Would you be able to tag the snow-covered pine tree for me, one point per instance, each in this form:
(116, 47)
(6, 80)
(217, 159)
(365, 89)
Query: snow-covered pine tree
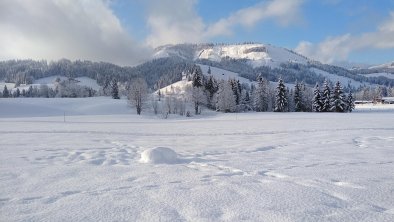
(280, 98)
(17, 92)
(114, 89)
(6, 93)
(317, 105)
(197, 83)
(338, 103)
(350, 102)
(197, 78)
(298, 100)
(236, 90)
(326, 97)
(106, 87)
(29, 92)
(211, 88)
(261, 95)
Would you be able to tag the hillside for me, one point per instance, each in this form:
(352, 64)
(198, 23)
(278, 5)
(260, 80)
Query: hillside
(257, 54)
(247, 61)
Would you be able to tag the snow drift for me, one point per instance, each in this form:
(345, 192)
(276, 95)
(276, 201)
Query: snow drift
(159, 155)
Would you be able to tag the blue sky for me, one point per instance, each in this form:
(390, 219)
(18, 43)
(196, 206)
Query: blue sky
(126, 31)
(317, 20)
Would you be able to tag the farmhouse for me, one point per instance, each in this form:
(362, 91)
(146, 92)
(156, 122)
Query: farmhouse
(388, 100)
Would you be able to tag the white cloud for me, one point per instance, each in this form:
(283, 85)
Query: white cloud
(338, 48)
(180, 24)
(54, 29)
(173, 21)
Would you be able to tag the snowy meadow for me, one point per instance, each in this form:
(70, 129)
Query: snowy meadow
(217, 167)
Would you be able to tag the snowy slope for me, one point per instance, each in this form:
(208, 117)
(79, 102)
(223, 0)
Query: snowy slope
(222, 74)
(343, 80)
(382, 74)
(229, 167)
(9, 85)
(180, 88)
(258, 54)
(177, 88)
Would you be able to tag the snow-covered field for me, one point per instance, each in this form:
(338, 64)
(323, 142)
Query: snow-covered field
(226, 167)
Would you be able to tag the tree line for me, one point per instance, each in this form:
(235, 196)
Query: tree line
(233, 96)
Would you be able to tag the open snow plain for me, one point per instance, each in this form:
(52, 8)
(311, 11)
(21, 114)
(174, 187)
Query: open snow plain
(227, 167)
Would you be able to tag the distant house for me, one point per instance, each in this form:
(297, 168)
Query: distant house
(387, 100)
(363, 102)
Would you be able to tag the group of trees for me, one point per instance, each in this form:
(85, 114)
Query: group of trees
(62, 88)
(232, 96)
(328, 100)
(332, 100)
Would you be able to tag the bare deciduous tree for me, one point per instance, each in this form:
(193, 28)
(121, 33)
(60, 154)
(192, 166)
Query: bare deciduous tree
(138, 94)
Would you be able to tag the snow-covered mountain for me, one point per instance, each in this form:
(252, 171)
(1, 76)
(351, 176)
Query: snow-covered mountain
(389, 65)
(251, 59)
(257, 54)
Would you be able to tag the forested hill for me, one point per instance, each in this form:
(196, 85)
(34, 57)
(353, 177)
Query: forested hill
(249, 60)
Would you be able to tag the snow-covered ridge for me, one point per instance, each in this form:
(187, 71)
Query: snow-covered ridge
(258, 54)
(389, 65)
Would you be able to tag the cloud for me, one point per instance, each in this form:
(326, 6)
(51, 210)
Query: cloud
(339, 48)
(283, 11)
(182, 24)
(170, 25)
(54, 29)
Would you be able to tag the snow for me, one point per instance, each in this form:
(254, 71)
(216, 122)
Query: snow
(88, 82)
(36, 107)
(383, 74)
(9, 85)
(159, 155)
(230, 167)
(259, 54)
(50, 82)
(343, 80)
(374, 108)
(222, 74)
(177, 88)
(389, 65)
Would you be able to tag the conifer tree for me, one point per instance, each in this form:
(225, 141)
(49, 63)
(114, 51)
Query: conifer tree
(261, 95)
(197, 78)
(350, 102)
(338, 103)
(326, 97)
(211, 87)
(317, 104)
(6, 93)
(236, 90)
(115, 90)
(281, 104)
(298, 101)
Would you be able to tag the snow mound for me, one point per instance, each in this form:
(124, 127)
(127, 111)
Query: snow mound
(159, 155)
